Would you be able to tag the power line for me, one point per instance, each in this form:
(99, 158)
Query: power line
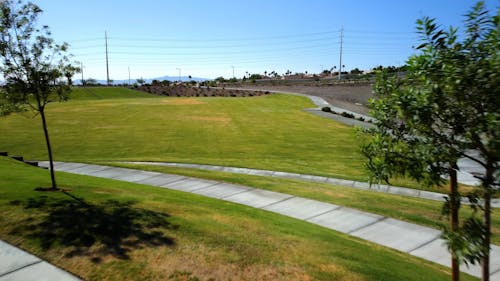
(243, 49)
(144, 54)
(377, 32)
(204, 46)
(356, 33)
(307, 47)
(226, 39)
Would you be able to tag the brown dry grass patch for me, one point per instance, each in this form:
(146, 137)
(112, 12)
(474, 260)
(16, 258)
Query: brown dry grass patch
(197, 260)
(183, 101)
(211, 119)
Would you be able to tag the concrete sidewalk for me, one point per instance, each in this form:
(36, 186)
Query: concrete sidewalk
(467, 168)
(416, 240)
(18, 265)
(403, 191)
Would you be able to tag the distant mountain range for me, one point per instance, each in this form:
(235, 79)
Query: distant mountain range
(148, 80)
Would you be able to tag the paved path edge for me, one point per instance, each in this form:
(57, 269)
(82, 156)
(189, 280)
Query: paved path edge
(18, 265)
(390, 189)
(416, 240)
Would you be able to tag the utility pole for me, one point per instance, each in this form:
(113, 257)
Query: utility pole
(180, 81)
(81, 68)
(129, 76)
(341, 41)
(107, 65)
(233, 70)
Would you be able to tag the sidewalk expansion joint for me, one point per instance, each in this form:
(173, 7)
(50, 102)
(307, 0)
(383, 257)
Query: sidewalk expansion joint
(277, 202)
(367, 225)
(104, 168)
(424, 244)
(69, 170)
(22, 267)
(240, 192)
(152, 177)
(203, 187)
(323, 213)
(172, 182)
(496, 271)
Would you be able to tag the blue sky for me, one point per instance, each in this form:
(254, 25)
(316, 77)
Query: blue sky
(207, 38)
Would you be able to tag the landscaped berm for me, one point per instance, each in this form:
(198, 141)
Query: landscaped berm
(102, 229)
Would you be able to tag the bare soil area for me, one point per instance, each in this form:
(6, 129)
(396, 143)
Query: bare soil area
(350, 97)
(193, 91)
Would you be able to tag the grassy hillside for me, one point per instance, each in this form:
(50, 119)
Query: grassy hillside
(270, 132)
(124, 231)
(99, 93)
(410, 209)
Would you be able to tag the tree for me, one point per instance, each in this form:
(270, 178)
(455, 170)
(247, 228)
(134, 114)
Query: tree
(404, 143)
(140, 81)
(273, 74)
(356, 71)
(32, 65)
(445, 108)
(477, 77)
(90, 82)
(220, 79)
(255, 77)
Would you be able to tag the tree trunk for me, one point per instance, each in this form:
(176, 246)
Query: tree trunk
(485, 262)
(49, 150)
(454, 206)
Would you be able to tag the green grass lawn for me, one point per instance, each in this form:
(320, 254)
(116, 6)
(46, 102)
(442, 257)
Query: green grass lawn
(124, 231)
(267, 132)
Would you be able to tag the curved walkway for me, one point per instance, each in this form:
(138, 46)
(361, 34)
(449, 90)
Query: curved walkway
(18, 265)
(403, 191)
(467, 167)
(416, 240)
(319, 102)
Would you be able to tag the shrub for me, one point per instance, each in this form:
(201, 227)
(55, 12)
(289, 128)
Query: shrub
(347, 115)
(326, 109)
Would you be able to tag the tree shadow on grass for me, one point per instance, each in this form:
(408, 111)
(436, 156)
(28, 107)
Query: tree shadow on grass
(112, 227)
